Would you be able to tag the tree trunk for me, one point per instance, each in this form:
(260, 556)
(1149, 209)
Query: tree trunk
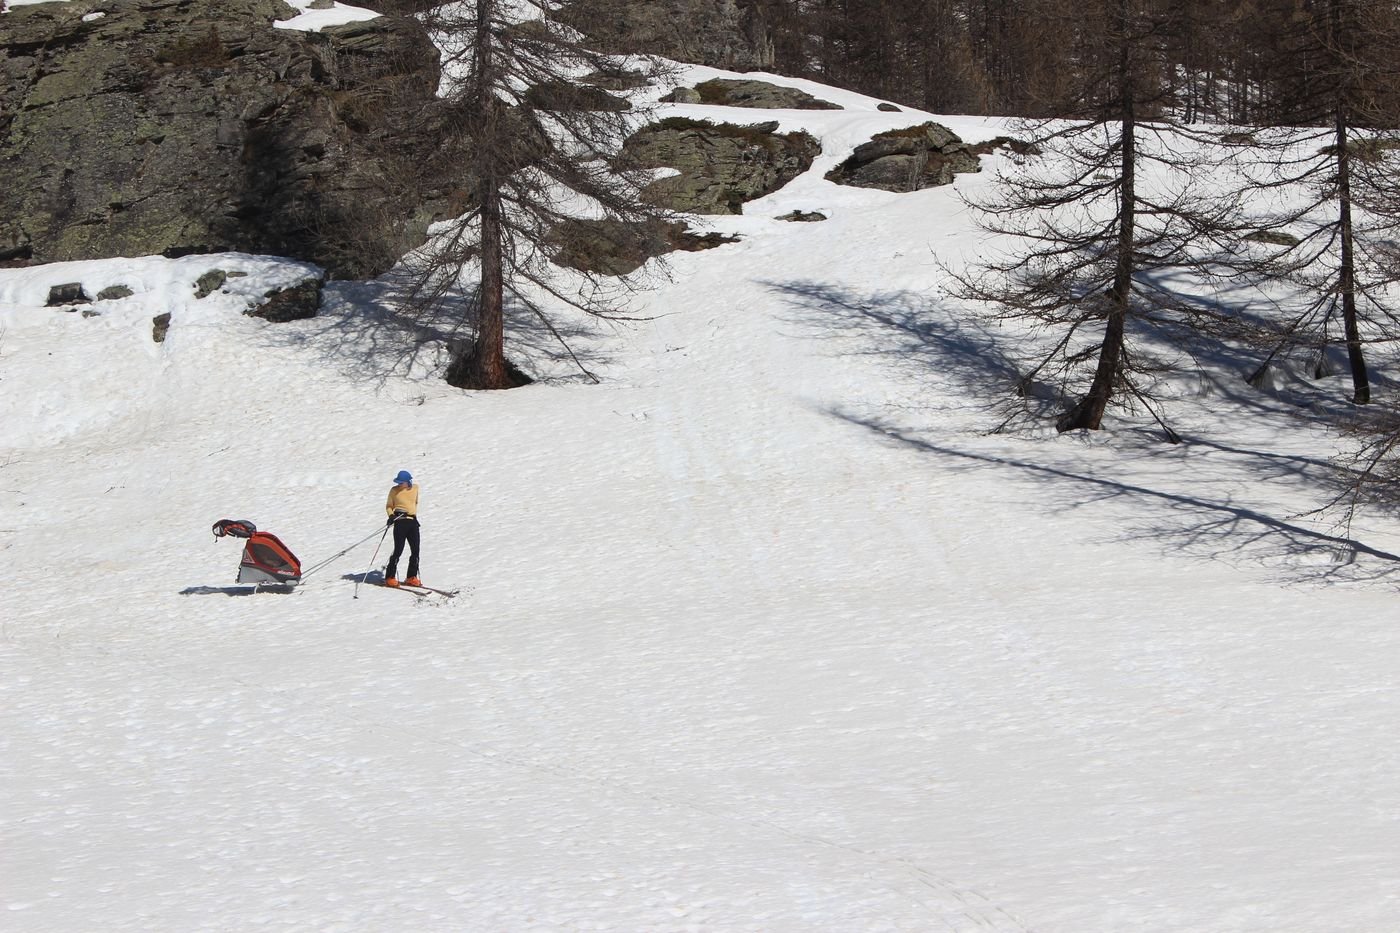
(1089, 412)
(1360, 379)
(490, 349)
(1346, 284)
(487, 367)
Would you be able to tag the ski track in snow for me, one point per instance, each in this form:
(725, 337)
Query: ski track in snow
(764, 632)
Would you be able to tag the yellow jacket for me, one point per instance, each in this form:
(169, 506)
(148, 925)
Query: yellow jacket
(403, 499)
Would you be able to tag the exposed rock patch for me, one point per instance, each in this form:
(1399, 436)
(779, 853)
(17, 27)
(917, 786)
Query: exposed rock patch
(908, 159)
(566, 96)
(1272, 238)
(1018, 146)
(210, 282)
(610, 247)
(616, 80)
(69, 294)
(721, 166)
(727, 92)
(295, 303)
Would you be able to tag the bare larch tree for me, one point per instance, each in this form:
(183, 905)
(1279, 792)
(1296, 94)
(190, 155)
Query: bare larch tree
(535, 136)
(1333, 133)
(1095, 241)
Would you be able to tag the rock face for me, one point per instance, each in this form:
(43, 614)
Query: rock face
(706, 32)
(760, 94)
(909, 159)
(183, 126)
(721, 165)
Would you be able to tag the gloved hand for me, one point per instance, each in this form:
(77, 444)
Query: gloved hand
(398, 514)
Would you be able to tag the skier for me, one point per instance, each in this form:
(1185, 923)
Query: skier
(403, 516)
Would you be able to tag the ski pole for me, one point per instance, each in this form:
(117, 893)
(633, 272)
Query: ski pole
(337, 555)
(372, 559)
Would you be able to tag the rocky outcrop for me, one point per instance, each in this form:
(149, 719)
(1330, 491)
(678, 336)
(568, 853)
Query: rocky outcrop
(908, 159)
(565, 95)
(71, 293)
(616, 79)
(720, 166)
(183, 126)
(296, 303)
(706, 32)
(611, 247)
(727, 92)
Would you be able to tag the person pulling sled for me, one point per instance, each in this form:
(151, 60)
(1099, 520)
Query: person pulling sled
(402, 509)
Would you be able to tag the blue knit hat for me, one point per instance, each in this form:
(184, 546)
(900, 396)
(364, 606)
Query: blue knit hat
(404, 477)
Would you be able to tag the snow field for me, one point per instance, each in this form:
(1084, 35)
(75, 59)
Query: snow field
(763, 632)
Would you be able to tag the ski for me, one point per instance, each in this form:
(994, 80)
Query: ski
(421, 591)
(428, 589)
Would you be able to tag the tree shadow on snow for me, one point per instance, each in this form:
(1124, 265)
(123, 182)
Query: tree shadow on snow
(908, 330)
(376, 331)
(1215, 529)
(918, 334)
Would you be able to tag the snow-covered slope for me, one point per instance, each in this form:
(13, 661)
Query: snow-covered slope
(763, 632)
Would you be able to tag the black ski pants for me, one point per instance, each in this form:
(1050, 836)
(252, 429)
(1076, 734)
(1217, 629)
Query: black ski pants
(405, 532)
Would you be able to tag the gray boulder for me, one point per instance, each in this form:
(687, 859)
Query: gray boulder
(727, 92)
(295, 303)
(908, 159)
(210, 282)
(70, 294)
(186, 126)
(721, 165)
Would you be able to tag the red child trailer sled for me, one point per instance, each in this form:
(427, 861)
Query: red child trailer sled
(265, 558)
